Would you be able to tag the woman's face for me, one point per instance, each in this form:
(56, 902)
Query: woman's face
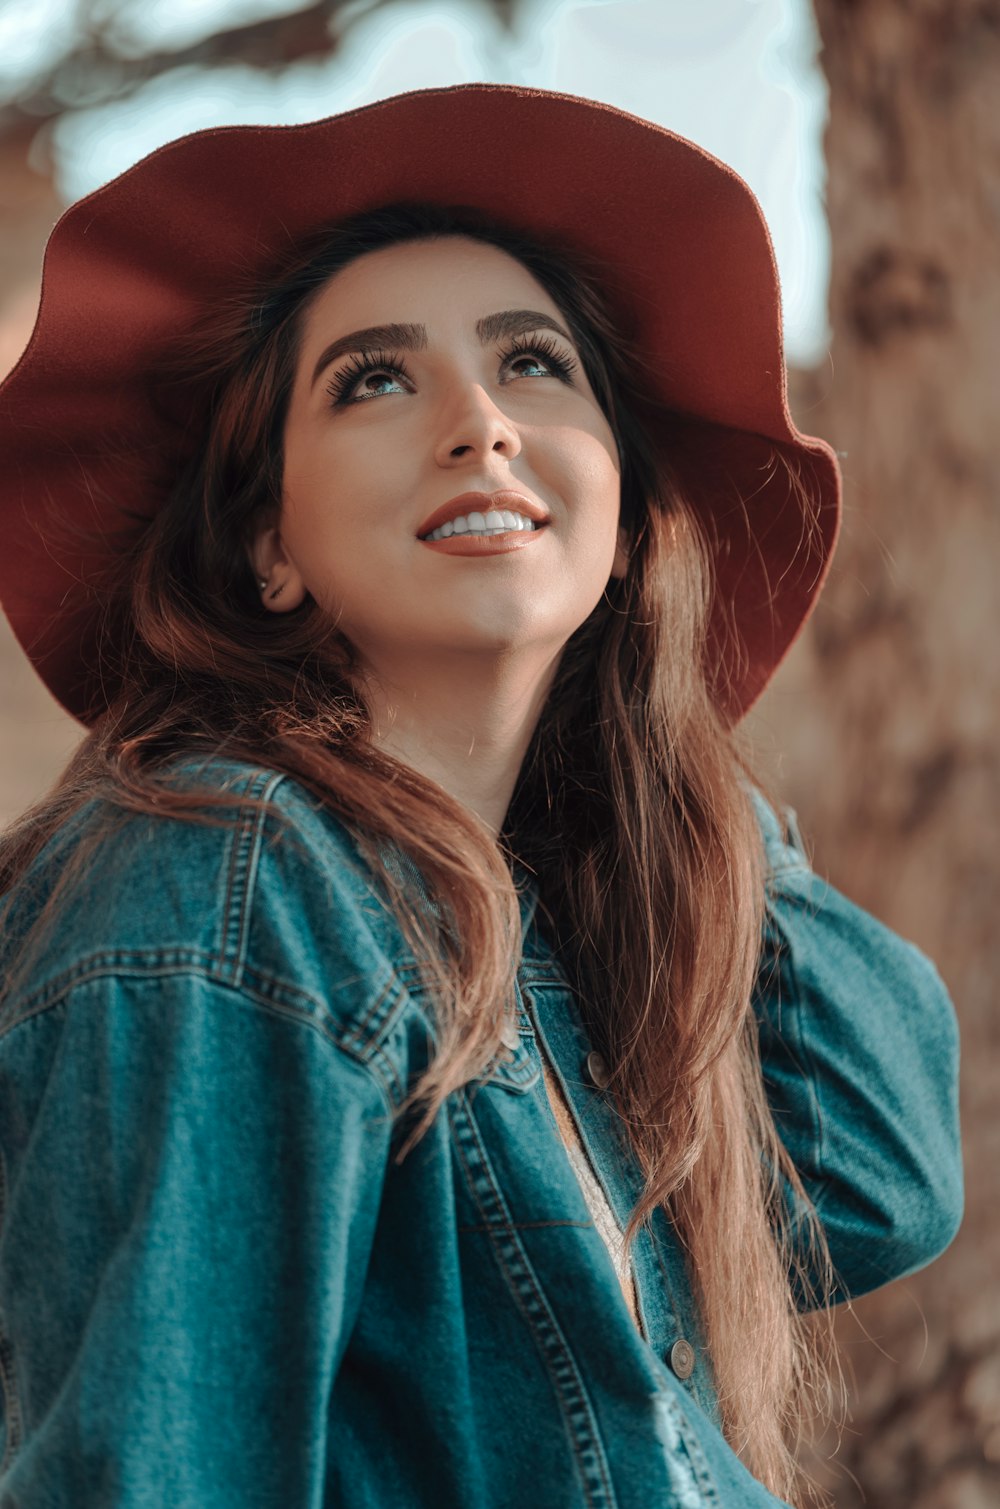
(446, 408)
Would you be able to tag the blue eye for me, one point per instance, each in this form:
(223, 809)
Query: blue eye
(343, 386)
(546, 353)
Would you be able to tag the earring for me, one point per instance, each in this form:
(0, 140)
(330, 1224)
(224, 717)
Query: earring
(262, 582)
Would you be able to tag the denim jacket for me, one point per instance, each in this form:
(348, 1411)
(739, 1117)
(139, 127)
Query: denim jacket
(219, 1290)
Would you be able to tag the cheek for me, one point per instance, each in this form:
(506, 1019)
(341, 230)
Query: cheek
(301, 519)
(310, 497)
(312, 535)
(593, 475)
(344, 483)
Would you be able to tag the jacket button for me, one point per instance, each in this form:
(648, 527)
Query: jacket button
(682, 1358)
(595, 1066)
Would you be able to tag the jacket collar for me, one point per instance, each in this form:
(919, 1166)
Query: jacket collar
(405, 870)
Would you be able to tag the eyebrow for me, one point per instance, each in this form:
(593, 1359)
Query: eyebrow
(492, 327)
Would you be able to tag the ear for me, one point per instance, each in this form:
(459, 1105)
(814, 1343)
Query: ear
(622, 553)
(283, 587)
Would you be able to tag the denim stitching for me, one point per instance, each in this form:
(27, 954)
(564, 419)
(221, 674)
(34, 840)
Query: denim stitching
(522, 1281)
(230, 902)
(13, 1415)
(12, 1403)
(243, 863)
(111, 961)
(650, 1236)
(371, 1015)
(692, 1447)
(264, 989)
(701, 1383)
(591, 1113)
(519, 1076)
(524, 1226)
(534, 971)
(674, 1310)
(376, 1050)
(300, 1007)
(804, 1058)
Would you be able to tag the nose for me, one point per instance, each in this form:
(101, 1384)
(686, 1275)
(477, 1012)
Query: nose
(473, 425)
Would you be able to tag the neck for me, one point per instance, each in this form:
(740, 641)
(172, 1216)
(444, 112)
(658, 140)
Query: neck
(466, 725)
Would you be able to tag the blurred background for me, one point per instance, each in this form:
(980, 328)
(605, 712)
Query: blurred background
(870, 131)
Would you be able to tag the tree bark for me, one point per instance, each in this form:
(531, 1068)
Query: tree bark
(36, 735)
(886, 711)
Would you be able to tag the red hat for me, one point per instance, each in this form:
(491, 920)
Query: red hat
(690, 269)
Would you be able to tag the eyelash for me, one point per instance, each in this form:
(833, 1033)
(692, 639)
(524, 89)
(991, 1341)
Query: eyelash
(346, 380)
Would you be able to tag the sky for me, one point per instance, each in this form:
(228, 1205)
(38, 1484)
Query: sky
(740, 77)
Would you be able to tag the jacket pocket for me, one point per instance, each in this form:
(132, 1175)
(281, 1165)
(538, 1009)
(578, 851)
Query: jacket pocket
(516, 1067)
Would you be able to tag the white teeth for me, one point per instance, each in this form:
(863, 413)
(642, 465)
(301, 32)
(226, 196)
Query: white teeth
(496, 521)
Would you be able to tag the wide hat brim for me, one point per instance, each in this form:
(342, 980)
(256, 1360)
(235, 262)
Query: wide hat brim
(691, 274)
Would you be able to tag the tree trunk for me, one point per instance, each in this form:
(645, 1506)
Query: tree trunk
(887, 708)
(36, 735)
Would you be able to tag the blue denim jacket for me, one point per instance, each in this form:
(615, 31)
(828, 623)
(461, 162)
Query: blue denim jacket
(219, 1290)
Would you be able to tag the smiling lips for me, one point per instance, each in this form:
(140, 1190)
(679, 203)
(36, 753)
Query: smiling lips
(483, 503)
(485, 544)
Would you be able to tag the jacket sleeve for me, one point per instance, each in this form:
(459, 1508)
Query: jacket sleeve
(859, 1049)
(194, 1184)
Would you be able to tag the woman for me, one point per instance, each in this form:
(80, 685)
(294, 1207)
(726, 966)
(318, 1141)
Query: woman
(433, 1075)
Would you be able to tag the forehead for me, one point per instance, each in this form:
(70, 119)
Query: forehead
(412, 279)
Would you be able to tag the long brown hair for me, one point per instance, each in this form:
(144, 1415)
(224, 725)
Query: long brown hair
(631, 806)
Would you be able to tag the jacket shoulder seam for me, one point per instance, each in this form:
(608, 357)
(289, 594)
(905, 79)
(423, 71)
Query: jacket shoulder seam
(802, 1055)
(275, 998)
(244, 860)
